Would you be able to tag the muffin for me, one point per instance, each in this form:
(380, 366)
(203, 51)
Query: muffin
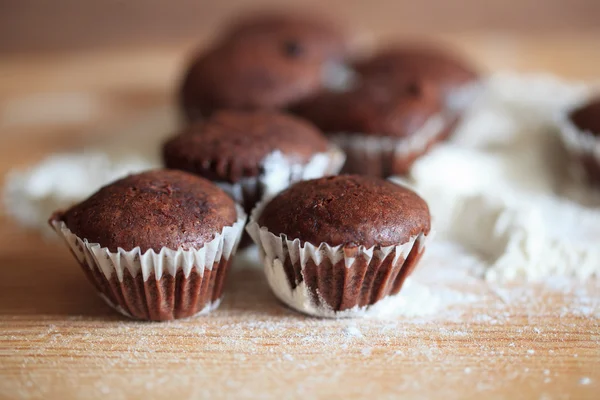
(338, 246)
(251, 154)
(455, 80)
(382, 128)
(265, 63)
(156, 245)
(580, 131)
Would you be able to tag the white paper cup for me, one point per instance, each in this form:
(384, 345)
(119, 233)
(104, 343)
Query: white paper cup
(333, 281)
(170, 284)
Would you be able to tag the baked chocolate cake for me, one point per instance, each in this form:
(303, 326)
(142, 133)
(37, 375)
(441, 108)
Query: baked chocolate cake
(156, 245)
(336, 246)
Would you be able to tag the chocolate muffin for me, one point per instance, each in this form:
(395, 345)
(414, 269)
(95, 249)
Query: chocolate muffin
(156, 245)
(580, 129)
(252, 153)
(336, 246)
(382, 128)
(267, 63)
(455, 79)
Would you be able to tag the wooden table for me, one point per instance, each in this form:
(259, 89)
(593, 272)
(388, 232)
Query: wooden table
(59, 341)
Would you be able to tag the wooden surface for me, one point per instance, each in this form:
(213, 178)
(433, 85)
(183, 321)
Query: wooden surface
(59, 341)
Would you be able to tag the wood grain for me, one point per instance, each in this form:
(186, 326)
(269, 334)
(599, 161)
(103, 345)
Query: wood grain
(60, 341)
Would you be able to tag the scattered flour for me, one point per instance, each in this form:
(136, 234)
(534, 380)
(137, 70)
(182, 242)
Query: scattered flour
(585, 381)
(352, 331)
(61, 180)
(494, 188)
(58, 181)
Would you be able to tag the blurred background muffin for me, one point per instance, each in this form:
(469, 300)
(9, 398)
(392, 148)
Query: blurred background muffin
(251, 154)
(262, 62)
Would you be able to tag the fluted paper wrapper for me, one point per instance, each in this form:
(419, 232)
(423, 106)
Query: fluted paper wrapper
(279, 173)
(584, 148)
(333, 281)
(159, 286)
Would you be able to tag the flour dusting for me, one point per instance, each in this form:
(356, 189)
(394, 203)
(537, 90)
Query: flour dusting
(501, 188)
(585, 381)
(60, 180)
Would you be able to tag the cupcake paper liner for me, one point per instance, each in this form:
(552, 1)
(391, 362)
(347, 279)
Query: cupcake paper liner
(584, 148)
(279, 173)
(333, 281)
(159, 286)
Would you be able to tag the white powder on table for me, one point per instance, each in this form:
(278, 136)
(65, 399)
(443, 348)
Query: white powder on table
(352, 331)
(496, 188)
(585, 381)
(60, 180)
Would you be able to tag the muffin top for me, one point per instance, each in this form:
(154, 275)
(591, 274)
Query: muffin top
(587, 117)
(418, 62)
(154, 209)
(314, 34)
(347, 210)
(373, 108)
(263, 70)
(232, 145)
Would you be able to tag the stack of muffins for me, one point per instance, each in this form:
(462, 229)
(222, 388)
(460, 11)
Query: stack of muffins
(273, 110)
